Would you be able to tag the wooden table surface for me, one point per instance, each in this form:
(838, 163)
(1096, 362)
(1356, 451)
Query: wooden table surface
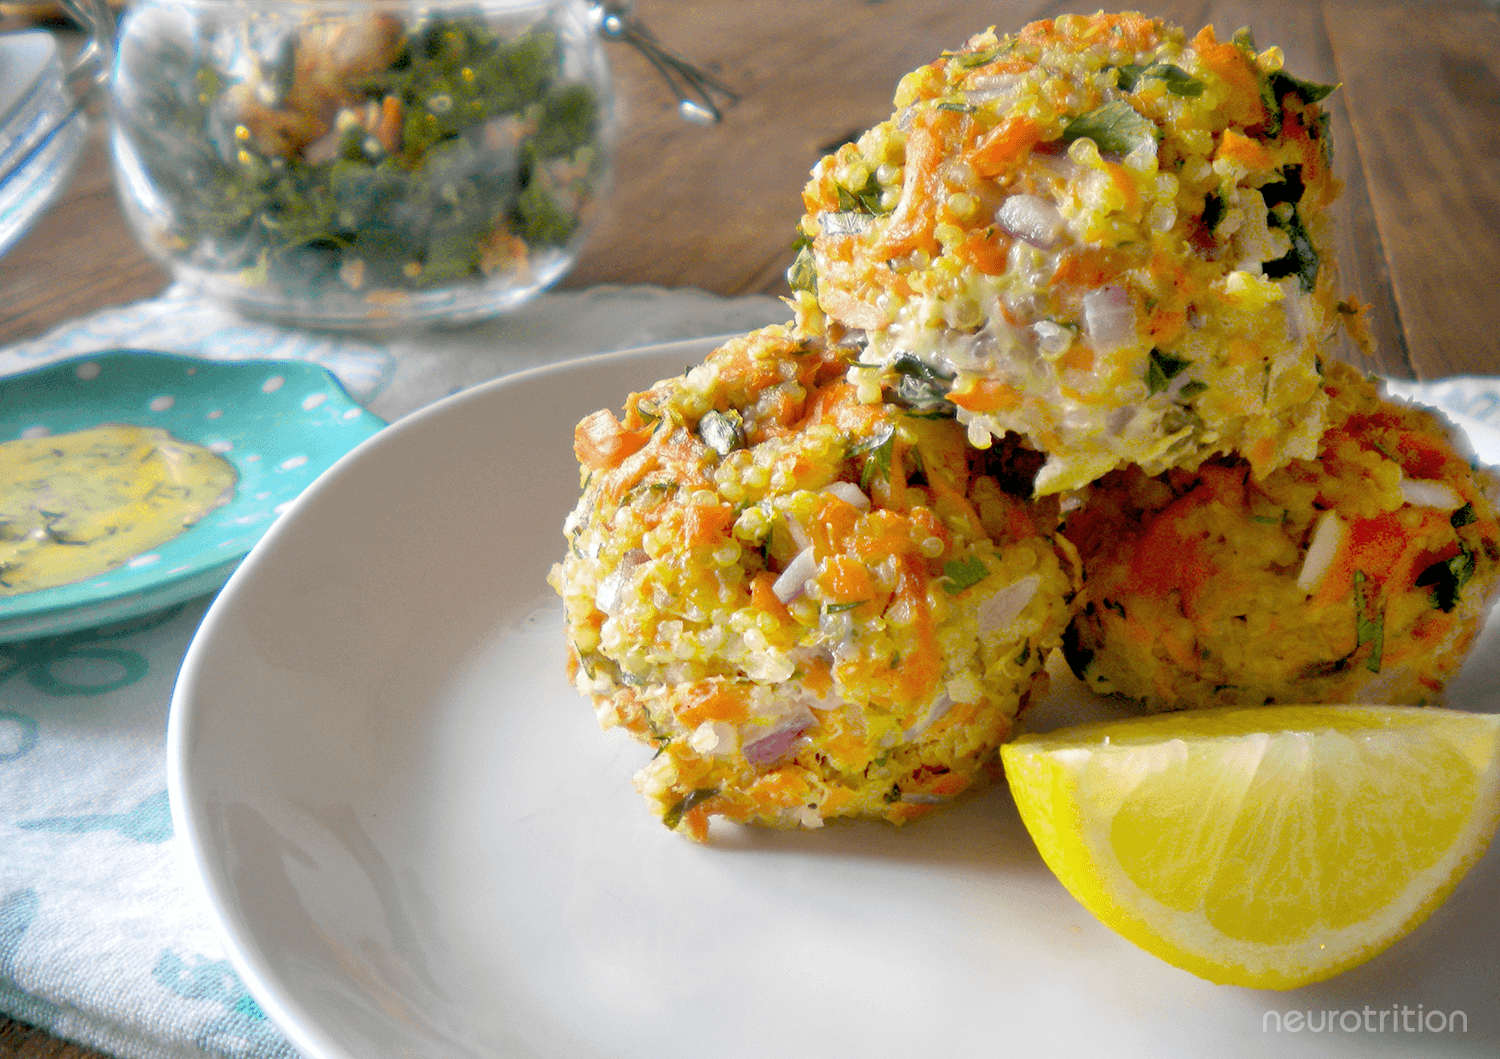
(1416, 133)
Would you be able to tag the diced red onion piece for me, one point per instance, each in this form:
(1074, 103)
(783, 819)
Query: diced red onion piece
(984, 88)
(1108, 317)
(1032, 219)
(935, 711)
(777, 743)
(1002, 608)
(1421, 492)
(799, 535)
(793, 580)
(849, 493)
(611, 590)
(1327, 538)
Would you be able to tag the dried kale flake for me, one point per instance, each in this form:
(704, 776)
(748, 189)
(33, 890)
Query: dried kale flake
(1302, 260)
(486, 135)
(722, 431)
(1447, 578)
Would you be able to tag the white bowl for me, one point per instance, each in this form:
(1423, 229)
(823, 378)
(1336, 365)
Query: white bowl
(416, 841)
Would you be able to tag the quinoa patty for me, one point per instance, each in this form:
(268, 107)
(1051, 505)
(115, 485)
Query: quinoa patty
(1361, 576)
(808, 605)
(1095, 233)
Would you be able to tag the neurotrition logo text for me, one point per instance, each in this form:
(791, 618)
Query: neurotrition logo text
(1398, 1018)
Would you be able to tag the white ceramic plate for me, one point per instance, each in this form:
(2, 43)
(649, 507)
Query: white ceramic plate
(417, 842)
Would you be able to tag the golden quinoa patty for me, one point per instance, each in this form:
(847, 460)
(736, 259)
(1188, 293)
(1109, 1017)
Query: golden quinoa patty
(1361, 576)
(1098, 234)
(808, 605)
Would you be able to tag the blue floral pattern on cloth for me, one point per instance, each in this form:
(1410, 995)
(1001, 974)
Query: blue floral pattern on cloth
(214, 982)
(181, 322)
(150, 821)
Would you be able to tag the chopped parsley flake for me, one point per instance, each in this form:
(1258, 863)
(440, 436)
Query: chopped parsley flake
(690, 801)
(1369, 623)
(1178, 81)
(1115, 128)
(839, 608)
(959, 574)
(1161, 370)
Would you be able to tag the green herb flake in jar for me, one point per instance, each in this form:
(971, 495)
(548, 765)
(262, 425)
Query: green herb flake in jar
(354, 164)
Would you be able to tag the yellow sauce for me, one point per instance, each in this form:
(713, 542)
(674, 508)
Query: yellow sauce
(75, 505)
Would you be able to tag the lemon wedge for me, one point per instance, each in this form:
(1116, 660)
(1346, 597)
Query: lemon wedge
(1267, 847)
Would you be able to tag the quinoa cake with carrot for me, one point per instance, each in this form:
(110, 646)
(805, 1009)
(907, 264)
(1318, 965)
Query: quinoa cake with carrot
(1360, 576)
(808, 605)
(1096, 233)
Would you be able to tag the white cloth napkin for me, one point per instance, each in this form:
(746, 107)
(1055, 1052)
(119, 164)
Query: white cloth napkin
(101, 940)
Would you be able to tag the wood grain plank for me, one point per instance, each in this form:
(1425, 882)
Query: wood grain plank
(1422, 87)
(19, 1041)
(79, 258)
(718, 207)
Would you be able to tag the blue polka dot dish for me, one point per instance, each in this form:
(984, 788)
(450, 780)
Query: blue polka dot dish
(279, 423)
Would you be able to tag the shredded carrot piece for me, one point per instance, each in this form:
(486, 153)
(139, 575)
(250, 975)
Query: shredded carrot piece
(912, 221)
(845, 580)
(714, 701)
(834, 525)
(1085, 266)
(763, 596)
(1005, 147)
(818, 678)
(916, 676)
(987, 395)
(1164, 324)
(1249, 152)
(1125, 184)
(388, 127)
(706, 523)
(1228, 62)
(987, 249)
(1079, 357)
(601, 443)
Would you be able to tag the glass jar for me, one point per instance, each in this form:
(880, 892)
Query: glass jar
(362, 163)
